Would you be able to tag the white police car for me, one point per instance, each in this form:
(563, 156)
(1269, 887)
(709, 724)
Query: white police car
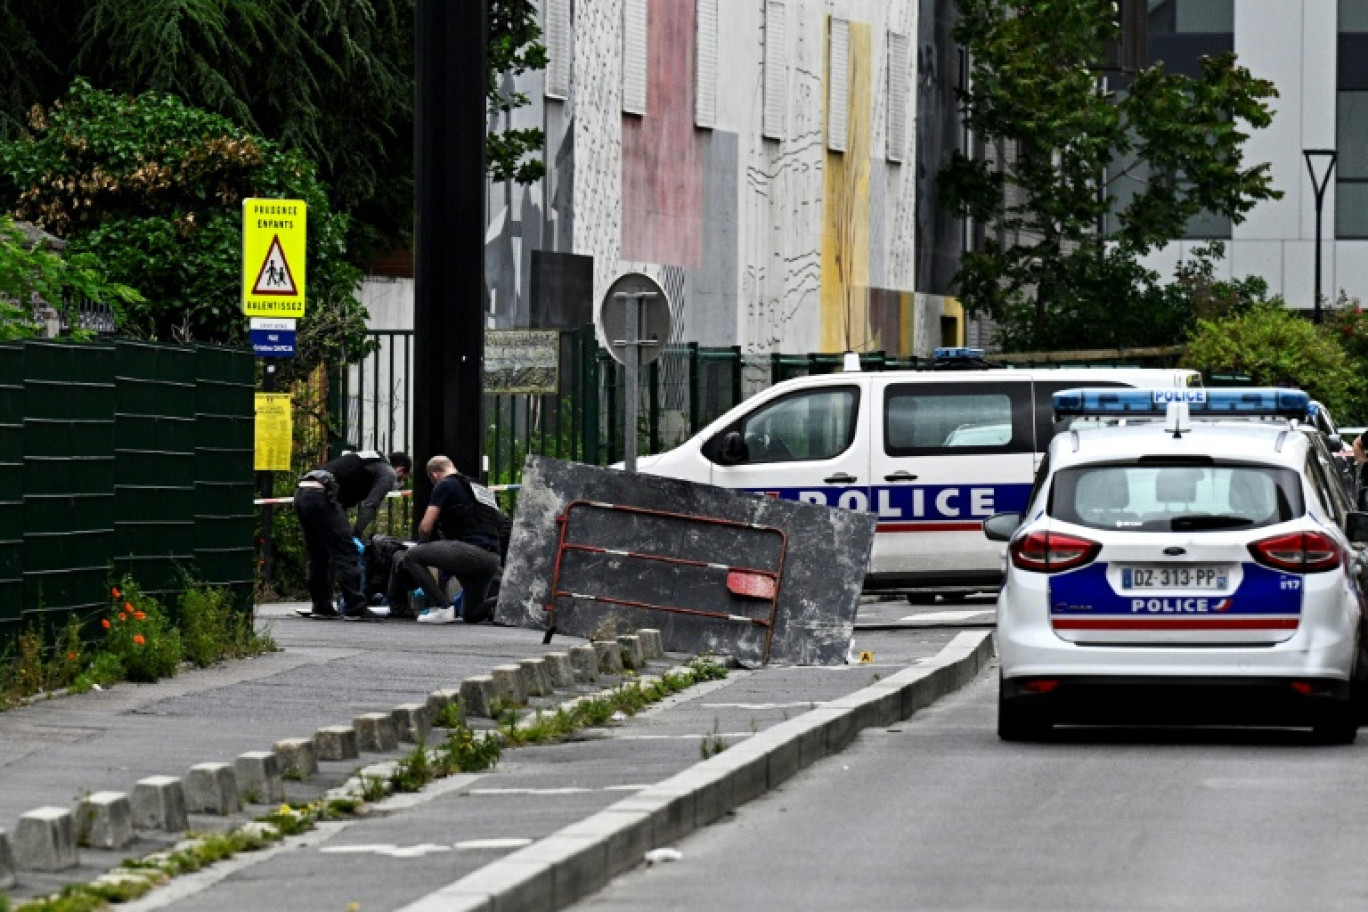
(1203, 568)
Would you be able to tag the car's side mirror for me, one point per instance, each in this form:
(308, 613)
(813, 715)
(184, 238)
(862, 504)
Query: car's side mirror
(1356, 527)
(733, 450)
(1000, 526)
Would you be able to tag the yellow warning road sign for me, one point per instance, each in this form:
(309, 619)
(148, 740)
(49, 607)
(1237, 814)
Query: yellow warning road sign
(274, 236)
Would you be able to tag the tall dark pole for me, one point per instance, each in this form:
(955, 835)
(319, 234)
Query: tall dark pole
(448, 248)
(1319, 183)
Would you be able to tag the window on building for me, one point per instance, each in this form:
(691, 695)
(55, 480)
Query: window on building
(1351, 121)
(1179, 34)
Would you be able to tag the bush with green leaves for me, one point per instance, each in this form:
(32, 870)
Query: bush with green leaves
(152, 189)
(1274, 346)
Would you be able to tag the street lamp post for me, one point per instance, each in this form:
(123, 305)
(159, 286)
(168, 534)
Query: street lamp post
(1319, 183)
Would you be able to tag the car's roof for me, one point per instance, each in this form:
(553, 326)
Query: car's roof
(1266, 442)
(1082, 376)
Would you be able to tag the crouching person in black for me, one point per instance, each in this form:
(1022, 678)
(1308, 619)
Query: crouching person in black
(333, 545)
(469, 520)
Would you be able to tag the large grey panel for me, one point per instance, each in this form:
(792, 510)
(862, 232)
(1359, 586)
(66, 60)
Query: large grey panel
(820, 558)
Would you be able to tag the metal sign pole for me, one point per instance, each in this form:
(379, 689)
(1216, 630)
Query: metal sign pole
(631, 395)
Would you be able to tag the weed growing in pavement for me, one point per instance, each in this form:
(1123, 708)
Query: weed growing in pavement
(373, 788)
(713, 744)
(465, 751)
(451, 715)
(414, 771)
(212, 630)
(135, 640)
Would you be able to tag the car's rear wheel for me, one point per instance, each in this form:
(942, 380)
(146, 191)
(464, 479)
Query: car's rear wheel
(1021, 723)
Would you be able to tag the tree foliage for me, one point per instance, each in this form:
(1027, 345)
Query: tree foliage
(1044, 272)
(28, 271)
(152, 190)
(331, 79)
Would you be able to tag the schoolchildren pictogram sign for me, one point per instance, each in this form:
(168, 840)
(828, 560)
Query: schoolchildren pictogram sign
(274, 235)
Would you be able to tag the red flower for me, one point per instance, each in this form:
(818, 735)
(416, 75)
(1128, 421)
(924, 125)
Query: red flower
(71, 656)
(128, 606)
(105, 623)
(114, 592)
(139, 639)
(140, 616)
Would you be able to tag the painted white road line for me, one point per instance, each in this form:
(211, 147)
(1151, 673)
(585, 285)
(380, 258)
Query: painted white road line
(802, 704)
(942, 617)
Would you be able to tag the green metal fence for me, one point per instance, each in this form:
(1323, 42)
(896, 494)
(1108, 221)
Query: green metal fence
(121, 458)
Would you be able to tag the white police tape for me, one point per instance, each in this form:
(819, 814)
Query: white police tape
(396, 494)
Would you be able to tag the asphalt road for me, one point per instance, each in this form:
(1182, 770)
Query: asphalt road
(936, 813)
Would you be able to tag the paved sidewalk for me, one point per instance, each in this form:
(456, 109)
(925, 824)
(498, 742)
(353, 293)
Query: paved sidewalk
(56, 751)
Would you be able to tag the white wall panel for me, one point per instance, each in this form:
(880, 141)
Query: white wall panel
(634, 47)
(558, 47)
(838, 85)
(776, 68)
(705, 64)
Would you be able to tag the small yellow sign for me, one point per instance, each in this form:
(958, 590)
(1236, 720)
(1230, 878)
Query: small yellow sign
(273, 432)
(274, 241)
(866, 657)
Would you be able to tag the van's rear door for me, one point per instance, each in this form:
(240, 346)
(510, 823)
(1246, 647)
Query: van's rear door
(946, 454)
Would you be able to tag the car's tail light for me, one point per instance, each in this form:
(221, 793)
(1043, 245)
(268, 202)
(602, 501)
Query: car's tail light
(1051, 552)
(1297, 552)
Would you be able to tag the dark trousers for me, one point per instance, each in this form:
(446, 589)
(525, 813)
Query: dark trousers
(474, 566)
(331, 551)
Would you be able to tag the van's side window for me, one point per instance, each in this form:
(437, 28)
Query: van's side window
(816, 424)
(922, 419)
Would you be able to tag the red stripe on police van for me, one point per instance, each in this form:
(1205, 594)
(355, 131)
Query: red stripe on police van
(1175, 624)
(930, 527)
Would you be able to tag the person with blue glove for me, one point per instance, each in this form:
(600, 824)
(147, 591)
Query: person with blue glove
(467, 518)
(334, 545)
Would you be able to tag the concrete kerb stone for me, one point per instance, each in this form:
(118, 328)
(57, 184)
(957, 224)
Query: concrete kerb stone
(541, 670)
(258, 778)
(748, 765)
(509, 685)
(45, 840)
(503, 884)
(627, 835)
(633, 655)
(584, 659)
(298, 758)
(211, 788)
(609, 656)
(561, 669)
(7, 868)
(671, 810)
(159, 804)
(532, 678)
(477, 695)
(105, 820)
(375, 732)
(336, 742)
(412, 722)
(439, 700)
(652, 643)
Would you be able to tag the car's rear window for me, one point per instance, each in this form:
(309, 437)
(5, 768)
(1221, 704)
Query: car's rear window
(1169, 498)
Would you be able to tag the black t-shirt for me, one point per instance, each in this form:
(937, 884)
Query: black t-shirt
(456, 497)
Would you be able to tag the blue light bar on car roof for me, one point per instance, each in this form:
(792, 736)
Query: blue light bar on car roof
(952, 354)
(1254, 402)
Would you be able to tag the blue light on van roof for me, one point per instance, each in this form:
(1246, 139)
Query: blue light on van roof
(1249, 402)
(956, 354)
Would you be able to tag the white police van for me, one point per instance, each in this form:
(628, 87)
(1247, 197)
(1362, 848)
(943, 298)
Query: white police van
(933, 453)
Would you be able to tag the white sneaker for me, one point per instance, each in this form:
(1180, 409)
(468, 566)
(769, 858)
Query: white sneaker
(445, 615)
